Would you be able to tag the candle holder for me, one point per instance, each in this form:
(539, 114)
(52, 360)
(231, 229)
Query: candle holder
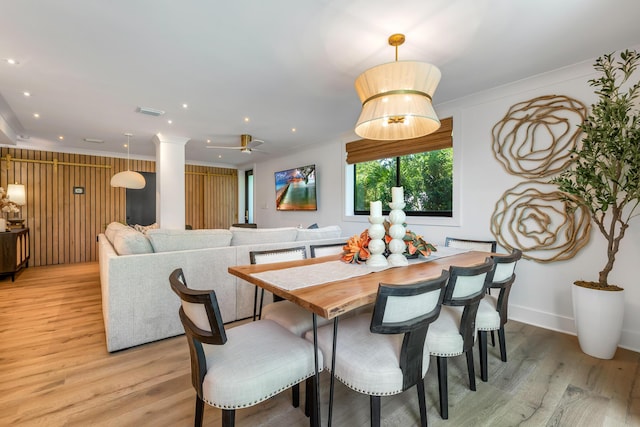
(397, 232)
(376, 244)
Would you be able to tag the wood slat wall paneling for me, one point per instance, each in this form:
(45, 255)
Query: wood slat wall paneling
(63, 225)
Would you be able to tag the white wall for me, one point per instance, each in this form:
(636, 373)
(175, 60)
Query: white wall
(542, 294)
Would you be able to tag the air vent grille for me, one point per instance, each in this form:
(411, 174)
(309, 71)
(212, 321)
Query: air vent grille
(149, 111)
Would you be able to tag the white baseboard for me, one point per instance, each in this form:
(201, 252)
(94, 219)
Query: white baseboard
(630, 339)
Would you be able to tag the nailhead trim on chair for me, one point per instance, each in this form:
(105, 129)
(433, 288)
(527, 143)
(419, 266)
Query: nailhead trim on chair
(447, 354)
(262, 399)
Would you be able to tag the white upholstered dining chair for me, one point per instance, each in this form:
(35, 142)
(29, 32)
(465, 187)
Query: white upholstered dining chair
(292, 317)
(384, 353)
(326, 249)
(453, 334)
(492, 312)
(240, 367)
(474, 245)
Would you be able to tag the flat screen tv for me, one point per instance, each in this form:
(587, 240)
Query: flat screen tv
(296, 189)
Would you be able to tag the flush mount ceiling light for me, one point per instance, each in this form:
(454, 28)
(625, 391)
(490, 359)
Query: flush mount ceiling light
(396, 99)
(128, 178)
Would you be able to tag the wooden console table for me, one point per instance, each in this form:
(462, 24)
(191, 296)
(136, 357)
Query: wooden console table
(14, 251)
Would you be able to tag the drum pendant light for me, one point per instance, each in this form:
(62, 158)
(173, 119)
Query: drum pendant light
(396, 99)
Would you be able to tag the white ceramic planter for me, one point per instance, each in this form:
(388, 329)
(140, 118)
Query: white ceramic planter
(598, 317)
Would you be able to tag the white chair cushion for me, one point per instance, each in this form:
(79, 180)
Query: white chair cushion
(443, 337)
(365, 362)
(259, 360)
(292, 317)
(488, 318)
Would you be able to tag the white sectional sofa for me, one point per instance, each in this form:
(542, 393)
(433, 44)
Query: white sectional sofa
(138, 305)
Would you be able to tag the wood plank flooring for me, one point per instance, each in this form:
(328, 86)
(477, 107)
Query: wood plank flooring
(55, 371)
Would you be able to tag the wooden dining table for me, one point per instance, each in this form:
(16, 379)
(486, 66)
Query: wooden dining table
(332, 298)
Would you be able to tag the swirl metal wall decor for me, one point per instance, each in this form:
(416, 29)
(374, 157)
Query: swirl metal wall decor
(546, 224)
(534, 138)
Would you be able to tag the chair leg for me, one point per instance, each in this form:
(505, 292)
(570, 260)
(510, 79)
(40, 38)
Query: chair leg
(482, 349)
(199, 412)
(228, 417)
(442, 387)
(255, 303)
(503, 344)
(422, 402)
(261, 304)
(375, 411)
(471, 369)
(295, 395)
(493, 339)
(308, 396)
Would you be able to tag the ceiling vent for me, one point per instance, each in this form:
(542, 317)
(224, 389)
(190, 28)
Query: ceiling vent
(94, 140)
(150, 111)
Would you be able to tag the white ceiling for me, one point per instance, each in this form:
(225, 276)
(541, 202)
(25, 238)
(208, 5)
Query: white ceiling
(283, 63)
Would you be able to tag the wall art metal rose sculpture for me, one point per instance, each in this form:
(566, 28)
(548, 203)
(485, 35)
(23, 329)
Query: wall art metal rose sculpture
(546, 224)
(534, 137)
(533, 140)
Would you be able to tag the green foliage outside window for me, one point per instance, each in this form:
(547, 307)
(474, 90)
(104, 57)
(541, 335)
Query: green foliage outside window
(427, 179)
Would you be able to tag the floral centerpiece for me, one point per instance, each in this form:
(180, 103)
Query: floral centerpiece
(6, 205)
(357, 248)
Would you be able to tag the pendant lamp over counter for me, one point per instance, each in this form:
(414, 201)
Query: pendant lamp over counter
(128, 178)
(396, 99)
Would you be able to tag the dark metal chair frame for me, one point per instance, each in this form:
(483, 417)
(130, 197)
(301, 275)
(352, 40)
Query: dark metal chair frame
(257, 311)
(502, 305)
(467, 327)
(312, 248)
(196, 337)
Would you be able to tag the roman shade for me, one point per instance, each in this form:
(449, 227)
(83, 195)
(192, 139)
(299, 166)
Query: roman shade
(365, 150)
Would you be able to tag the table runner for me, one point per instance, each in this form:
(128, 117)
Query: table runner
(316, 274)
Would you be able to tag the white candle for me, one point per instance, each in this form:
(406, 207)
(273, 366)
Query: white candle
(376, 208)
(397, 195)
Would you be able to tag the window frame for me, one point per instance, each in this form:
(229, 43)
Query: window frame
(398, 183)
(348, 173)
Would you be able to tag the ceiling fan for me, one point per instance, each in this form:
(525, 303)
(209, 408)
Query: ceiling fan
(247, 144)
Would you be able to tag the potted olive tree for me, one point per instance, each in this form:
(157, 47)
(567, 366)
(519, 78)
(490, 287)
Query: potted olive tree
(605, 177)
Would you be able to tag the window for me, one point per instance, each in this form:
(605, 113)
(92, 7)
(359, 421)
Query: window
(426, 178)
(423, 166)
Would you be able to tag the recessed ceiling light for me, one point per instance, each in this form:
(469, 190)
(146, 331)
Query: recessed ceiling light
(26, 93)
(185, 105)
(208, 141)
(246, 119)
(219, 156)
(11, 61)
(169, 121)
(293, 129)
(61, 137)
(36, 115)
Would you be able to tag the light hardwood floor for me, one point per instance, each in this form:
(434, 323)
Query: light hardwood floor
(55, 371)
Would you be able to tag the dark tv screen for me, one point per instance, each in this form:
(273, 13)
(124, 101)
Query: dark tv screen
(296, 189)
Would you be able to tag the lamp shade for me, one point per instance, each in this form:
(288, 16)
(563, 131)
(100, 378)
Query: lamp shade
(128, 179)
(16, 193)
(396, 101)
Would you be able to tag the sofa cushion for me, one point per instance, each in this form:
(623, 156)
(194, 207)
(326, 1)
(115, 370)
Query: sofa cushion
(181, 240)
(145, 228)
(128, 241)
(249, 236)
(328, 232)
(112, 229)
